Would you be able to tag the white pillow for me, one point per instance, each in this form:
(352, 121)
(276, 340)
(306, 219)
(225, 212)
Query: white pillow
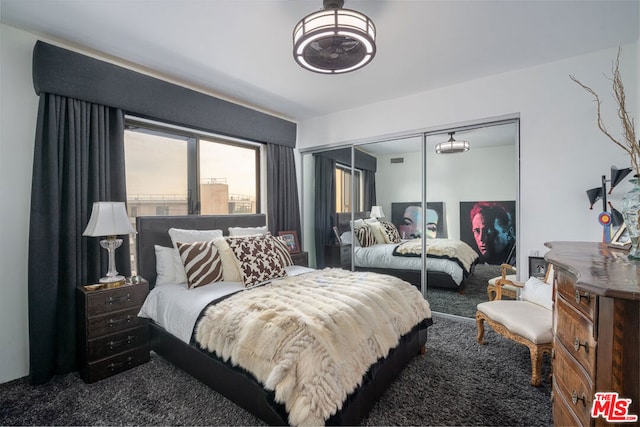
(188, 236)
(230, 269)
(247, 231)
(376, 228)
(165, 267)
(537, 292)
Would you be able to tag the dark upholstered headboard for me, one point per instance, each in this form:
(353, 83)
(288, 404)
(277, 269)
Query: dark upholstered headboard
(154, 230)
(344, 219)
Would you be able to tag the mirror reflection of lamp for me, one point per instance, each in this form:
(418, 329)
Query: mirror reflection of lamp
(607, 218)
(376, 212)
(109, 219)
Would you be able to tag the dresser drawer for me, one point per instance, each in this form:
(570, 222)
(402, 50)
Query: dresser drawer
(562, 415)
(104, 368)
(114, 322)
(573, 384)
(576, 334)
(105, 301)
(109, 345)
(582, 301)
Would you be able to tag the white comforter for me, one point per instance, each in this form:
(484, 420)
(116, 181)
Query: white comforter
(381, 256)
(176, 308)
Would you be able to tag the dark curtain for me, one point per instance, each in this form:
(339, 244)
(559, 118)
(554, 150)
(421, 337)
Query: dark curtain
(283, 211)
(369, 189)
(325, 205)
(78, 160)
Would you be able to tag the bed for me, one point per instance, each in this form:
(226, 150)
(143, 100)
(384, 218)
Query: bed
(442, 271)
(236, 384)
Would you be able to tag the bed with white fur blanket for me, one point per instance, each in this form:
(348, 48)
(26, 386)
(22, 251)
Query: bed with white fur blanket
(455, 250)
(312, 338)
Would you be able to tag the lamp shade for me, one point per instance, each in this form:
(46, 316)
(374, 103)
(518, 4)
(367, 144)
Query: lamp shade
(108, 219)
(376, 212)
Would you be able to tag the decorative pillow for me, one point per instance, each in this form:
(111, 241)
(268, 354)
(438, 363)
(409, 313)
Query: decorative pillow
(165, 267)
(188, 236)
(247, 231)
(391, 233)
(201, 262)
(257, 259)
(376, 229)
(365, 236)
(537, 292)
(230, 270)
(281, 250)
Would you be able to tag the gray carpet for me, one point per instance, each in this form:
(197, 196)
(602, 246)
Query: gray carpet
(458, 382)
(451, 302)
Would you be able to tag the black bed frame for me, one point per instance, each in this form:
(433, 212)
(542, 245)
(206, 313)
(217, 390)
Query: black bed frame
(437, 279)
(237, 385)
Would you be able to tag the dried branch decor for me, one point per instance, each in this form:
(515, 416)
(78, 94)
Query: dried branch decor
(630, 143)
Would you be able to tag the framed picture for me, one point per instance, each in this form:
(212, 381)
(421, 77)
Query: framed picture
(489, 227)
(621, 239)
(407, 217)
(291, 239)
(537, 266)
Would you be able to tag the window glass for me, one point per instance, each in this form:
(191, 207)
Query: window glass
(344, 201)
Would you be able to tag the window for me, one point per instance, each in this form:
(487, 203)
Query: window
(344, 178)
(176, 171)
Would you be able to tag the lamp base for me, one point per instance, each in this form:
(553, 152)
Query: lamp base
(111, 279)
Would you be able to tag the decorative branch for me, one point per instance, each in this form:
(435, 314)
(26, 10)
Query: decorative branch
(630, 144)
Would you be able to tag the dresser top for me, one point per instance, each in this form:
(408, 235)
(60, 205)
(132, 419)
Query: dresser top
(598, 268)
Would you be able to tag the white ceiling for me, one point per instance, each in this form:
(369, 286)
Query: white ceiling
(242, 49)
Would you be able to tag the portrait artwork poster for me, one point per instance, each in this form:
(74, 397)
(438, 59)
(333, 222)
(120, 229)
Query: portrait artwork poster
(505, 255)
(435, 210)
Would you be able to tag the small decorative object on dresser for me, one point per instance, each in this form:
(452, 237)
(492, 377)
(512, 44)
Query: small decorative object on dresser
(596, 325)
(291, 239)
(111, 336)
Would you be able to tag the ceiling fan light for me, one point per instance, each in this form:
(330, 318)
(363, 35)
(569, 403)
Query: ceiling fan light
(452, 146)
(334, 40)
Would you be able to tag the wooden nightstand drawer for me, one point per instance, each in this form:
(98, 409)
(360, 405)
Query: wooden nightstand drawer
(114, 322)
(301, 258)
(104, 368)
(117, 343)
(108, 300)
(574, 385)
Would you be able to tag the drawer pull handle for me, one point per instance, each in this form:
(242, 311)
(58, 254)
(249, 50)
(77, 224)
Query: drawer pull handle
(112, 300)
(575, 398)
(114, 344)
(114, 322)
(579, 297)
(577, 344)
(116, 365)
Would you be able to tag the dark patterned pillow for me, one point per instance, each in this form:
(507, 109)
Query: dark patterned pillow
(391, 232)
(257, 258)
(202, 263)
(365, 236)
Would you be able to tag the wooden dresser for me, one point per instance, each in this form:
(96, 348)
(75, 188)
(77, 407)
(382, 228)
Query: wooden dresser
(596, 325)
(111, 336)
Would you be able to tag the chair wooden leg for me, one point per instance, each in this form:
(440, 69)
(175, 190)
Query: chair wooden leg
(536, 366)
(480, 324)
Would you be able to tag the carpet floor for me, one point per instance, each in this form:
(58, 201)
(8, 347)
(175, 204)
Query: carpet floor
(458, 382)
(450, 301)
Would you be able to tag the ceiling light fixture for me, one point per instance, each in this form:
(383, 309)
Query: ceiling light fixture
(334, 40)
(452, 146)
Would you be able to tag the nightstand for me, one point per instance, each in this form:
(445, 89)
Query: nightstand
(111, 337)
(301, 258)
(338, 256)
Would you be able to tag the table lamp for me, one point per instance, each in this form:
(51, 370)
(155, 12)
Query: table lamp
(376, 212)
(109, 219)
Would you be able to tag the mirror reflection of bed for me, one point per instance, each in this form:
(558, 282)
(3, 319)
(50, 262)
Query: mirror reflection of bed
(487, 172)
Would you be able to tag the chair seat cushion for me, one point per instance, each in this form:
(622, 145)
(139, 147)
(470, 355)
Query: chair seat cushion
(530, 321)
(511, 277)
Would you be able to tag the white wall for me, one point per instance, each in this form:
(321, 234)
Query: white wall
(562, 151)
(18, 110)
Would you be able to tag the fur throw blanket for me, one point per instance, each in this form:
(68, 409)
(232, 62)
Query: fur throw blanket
(311, 338)
(456, 250)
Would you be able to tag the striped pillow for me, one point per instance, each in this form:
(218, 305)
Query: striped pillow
(202, 263)
(281, 251)
(365, 236)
